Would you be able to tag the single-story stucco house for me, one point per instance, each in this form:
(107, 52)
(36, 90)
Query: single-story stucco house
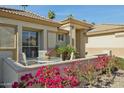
(24, 31)
(106, 37)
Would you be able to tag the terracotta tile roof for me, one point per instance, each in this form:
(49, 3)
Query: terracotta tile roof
(26, 14)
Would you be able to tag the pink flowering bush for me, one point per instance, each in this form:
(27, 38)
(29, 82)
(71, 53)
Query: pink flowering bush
(82, 72)
(72, 75)
(50, 77)
(102, 62)
(25, 81)
(46, 77)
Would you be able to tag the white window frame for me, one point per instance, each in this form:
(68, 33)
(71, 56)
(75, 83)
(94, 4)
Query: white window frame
(29, 46)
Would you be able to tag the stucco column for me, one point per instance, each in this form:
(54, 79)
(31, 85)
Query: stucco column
(82, 43)
(19, 43)
(45, 39)
(72, 34)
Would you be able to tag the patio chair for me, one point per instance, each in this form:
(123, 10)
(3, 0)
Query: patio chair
(42, 53)
(27, 62)
(72, 56)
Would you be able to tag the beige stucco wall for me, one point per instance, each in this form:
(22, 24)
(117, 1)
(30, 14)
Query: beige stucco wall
(100, 43)
(115, 51)
(51, 40)
(109, 41)
(9, 75)
(21, 24)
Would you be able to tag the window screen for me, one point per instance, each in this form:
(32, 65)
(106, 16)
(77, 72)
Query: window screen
(7, 37)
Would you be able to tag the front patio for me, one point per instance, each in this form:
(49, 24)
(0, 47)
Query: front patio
(93, 78)
(15, 70)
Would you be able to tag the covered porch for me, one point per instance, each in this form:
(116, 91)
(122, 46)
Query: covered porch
(77, 34)
(28, 38)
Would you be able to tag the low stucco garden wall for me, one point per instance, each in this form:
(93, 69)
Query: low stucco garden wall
(12, 71)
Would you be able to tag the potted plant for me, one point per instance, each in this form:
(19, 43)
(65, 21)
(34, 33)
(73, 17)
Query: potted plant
(65, 51)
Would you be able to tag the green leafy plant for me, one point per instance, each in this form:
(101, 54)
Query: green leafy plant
(112, 65)
(119, 63)
(65, 51)
(89, 74)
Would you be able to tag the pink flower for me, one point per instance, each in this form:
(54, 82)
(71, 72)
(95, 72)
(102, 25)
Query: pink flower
(29, 84)
(22, 78)
(15, 85)
(38, 73)
(101, 62)
(30, 76)
(41, 80)
(74, 82)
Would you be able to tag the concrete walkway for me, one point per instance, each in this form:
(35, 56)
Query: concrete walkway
(119, 80)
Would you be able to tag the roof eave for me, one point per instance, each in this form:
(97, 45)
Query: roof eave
(74, 21)
(28, 19)
(63, 31)
(104, 32)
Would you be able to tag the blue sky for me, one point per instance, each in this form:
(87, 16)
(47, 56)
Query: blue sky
(92, 13)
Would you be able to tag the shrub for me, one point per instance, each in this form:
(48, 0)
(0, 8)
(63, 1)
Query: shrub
(26, 80)
(46, 77)
(49, 77)
(73, 75)
(119, 62)
(65, 51)
(102, 62)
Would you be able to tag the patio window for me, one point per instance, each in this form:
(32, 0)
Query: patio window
(7, 37)
(30, 44)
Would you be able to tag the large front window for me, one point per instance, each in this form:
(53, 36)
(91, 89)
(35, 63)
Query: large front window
(7, 37)
(30, 44)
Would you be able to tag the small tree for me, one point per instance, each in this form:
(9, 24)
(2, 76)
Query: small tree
(51, 14)
(70, 16)
(93, 23)
(24, 6)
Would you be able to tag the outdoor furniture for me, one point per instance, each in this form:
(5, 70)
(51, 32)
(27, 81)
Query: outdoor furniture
(52, 59)
(72, 56)
(28, 62)
(42, 53)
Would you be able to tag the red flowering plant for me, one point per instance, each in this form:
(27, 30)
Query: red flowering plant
(71, 74)
(26, 80)
(101, 64)
(50, 77)
(47, 77)
(80, 74)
